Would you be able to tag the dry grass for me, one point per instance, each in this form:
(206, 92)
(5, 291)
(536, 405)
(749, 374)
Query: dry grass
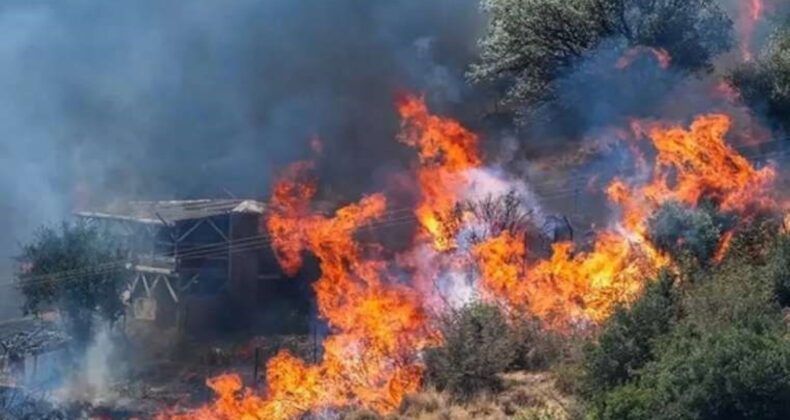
(526, 396)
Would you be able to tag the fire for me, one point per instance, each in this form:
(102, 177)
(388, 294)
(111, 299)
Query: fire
(749, 15)
(586, 286)
(446, 150)
(378, 327)
(690, 165)
(662, 57)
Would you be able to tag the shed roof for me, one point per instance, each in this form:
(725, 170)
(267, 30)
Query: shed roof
(165, 212)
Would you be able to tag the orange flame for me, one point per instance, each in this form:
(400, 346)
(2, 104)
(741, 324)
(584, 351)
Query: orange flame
(370, 360)
(749, 14)
(587, 286)
(446, 150)
(379, 326)
(662, 56)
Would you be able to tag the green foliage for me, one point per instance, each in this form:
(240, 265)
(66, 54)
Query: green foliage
(679, 230)
(779, 270)
(92, 286)
(477, 347)
(765, 83)
(628, 340)
(535, 348)
(726, 354)
(732, 374)
(530, 43)
(735, 294)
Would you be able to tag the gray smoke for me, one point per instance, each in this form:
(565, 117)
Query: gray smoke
(164, 99)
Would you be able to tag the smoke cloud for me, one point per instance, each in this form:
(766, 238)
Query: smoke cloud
(151, 99)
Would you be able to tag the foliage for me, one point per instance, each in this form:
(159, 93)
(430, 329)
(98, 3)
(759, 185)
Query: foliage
(764, 84)
(734, 373)
(628, 340)
(530, 43)
(477, 347)
(678, 230)
(536, 348)
(737, 293)
(92, 286)
(779, 270)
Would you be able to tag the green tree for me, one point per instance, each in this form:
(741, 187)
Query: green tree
(764, 84)
(75, 269)
(729, 374)
(680, 231)
(628, 339)
(478, 345)
(531, 43)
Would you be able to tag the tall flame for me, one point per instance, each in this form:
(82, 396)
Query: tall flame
(370, 359)
(379, 326)
(447, 151)
(586, 286)
(749, 15)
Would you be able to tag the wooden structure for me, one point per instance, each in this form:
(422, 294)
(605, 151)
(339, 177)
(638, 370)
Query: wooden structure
(194, 264)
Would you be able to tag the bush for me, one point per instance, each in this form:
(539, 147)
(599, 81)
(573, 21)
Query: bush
(764, 84)
(535, 348)
(680, 230)
(477, 347)
(779, 269)
(732, 374)
(628, 339)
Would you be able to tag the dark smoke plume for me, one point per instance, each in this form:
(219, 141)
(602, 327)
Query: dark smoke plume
(151, 99)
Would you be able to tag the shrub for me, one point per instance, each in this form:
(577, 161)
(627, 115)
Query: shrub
(779, 269)
(679, 230)
(477, 347)
(732, 374)
(628, 339)
(535, 348)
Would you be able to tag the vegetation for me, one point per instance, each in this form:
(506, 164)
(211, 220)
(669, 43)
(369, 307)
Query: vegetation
(91, 286)
(714, 347)
(726, 355)
(764, 84)
(531, 43)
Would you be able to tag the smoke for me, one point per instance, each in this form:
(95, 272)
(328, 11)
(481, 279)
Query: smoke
(150, 99)
(94, 377)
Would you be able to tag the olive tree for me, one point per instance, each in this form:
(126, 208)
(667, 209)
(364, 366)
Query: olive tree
(76, 269)
(531, 43)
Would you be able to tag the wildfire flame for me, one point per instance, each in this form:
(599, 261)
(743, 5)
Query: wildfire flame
(379, 326)
(749, 15)
(586, 286)
(447, 151)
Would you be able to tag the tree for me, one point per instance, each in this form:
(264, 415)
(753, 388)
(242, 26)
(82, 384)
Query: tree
(76, 269)
(728, 374)
(531, 43)
(628, 340)
(679, 230)
(764, 85)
